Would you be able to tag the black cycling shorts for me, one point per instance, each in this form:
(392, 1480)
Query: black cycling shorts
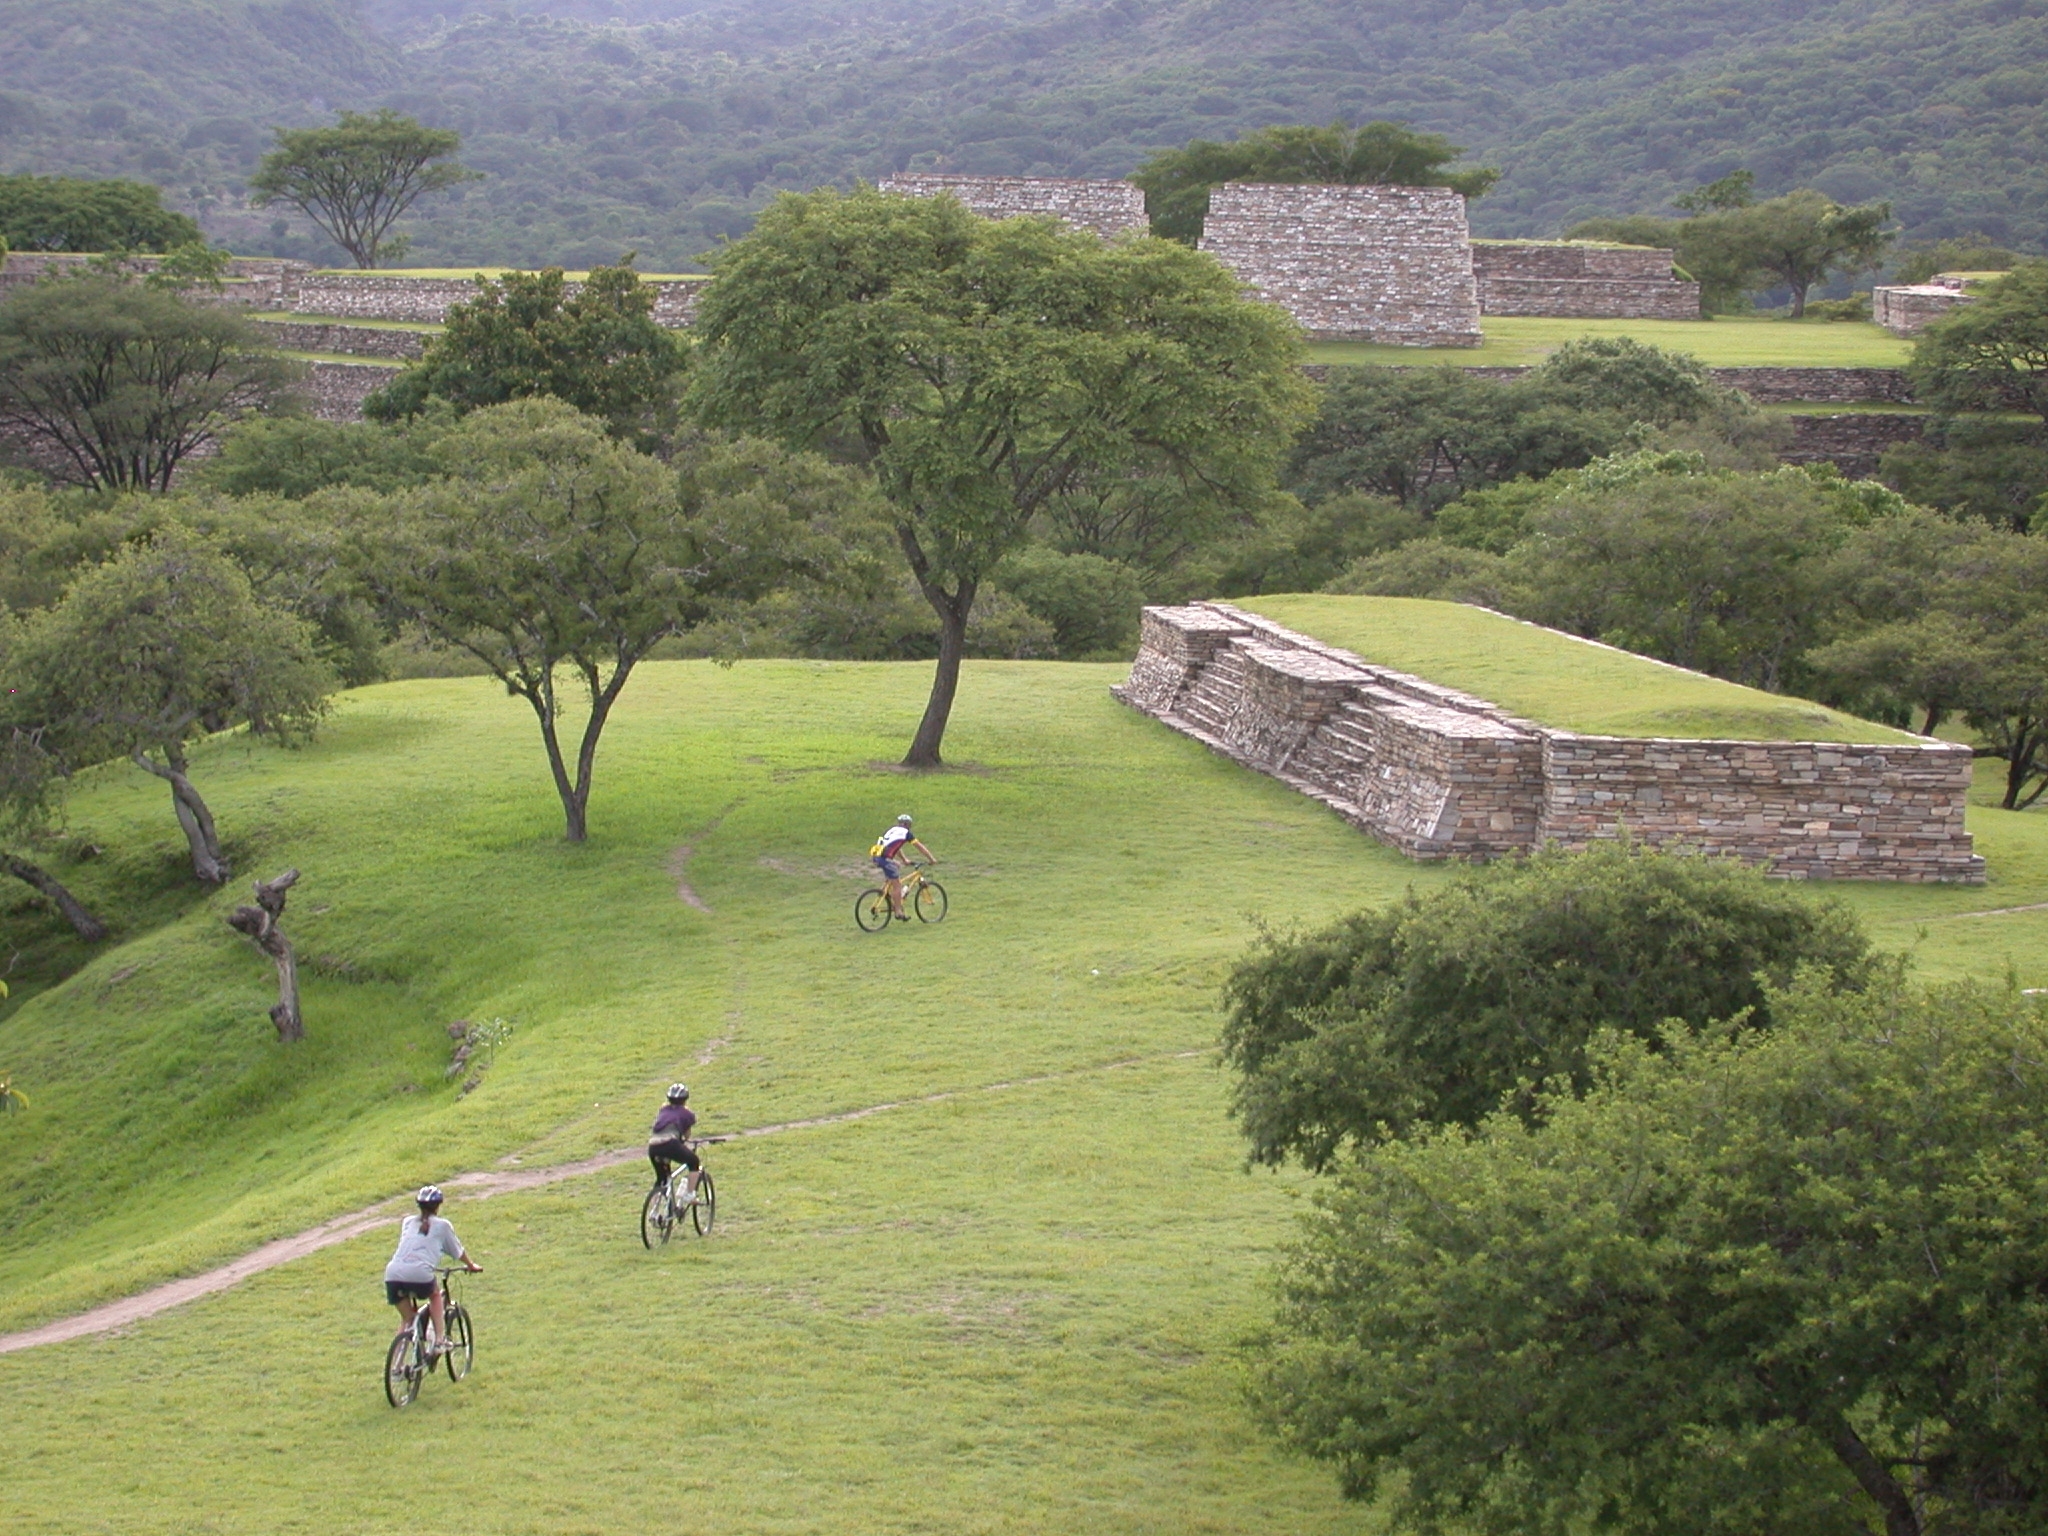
(418, 1290)
(662, 1153)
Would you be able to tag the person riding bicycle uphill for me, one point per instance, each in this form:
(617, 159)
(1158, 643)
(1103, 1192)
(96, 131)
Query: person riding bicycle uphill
(887, 847)
(423, 1241)
(668, 1143)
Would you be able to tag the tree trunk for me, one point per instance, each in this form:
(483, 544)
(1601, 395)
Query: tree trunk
(952, 608)
(2019, 765)
(260, 923)
(1900, 1519)
(87, 927)
(208, 862)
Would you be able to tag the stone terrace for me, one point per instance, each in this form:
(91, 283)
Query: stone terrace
(1110, 208)
(1577, 281)
(1438, 774)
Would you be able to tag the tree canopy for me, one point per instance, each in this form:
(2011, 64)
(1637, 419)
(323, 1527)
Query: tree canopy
(526, 334)
(64, 213)
(1177, 183)
(985, 370)
(113, 383)
(1432, 1009)
(1781, 1280)
(356, 179)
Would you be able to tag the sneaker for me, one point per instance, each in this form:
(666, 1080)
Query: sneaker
(902, 917)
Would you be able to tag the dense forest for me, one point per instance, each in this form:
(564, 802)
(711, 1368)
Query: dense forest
(664, 125)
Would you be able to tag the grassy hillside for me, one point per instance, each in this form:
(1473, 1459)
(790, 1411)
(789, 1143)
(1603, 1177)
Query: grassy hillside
(1011, 1310)
(663, 125)
(1556, 679)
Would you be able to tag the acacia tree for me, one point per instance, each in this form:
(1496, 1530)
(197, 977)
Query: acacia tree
(65, 213)
(163, 644)
(1755, 1280)
(1177, 182)
(548, 546)
(357, 178)
(599, 349)
(115, 383)
(984, 370)
(1804, 237)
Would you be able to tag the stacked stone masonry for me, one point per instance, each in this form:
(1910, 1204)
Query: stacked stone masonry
(427, 300)
(349, 340)
(1440, 774)
(1586, 282)
(1110, 208)
(1384, 264)
(1908, 309)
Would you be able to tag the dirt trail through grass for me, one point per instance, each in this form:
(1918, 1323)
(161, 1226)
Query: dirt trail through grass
(478, 1185)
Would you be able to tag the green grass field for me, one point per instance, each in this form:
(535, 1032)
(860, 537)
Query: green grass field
(1015, 1309)
(1724, 342)
(1556, 679)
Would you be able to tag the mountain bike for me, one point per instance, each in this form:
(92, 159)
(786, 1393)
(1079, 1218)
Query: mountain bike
(921, 894)
(407, 1363)
(667, 1204)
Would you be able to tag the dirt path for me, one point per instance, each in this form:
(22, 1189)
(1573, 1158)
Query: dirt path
(480, 1185)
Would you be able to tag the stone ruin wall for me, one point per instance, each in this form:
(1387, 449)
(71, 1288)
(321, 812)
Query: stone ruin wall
(1384, 264)
(1581, 282)
(352, 340)
(1440, 774)
(1110, 208)
(427, 300)
(1908, 309)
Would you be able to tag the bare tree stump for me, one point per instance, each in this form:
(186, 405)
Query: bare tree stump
(260, 923)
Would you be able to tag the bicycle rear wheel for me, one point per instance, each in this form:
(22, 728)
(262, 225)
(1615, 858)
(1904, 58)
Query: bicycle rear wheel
(706, 1209)
(402, 1370)
(931, 902)
(458, 1350)
(871, 909)
(657, 1221)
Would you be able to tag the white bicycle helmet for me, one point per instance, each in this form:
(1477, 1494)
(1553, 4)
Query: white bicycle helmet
(902, 821)
(679, 1093)
(430, 1195)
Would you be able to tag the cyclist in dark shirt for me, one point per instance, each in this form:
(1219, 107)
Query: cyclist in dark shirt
(668, 1143)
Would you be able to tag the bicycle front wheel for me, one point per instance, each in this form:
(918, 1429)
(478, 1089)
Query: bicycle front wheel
(706, 1208)
(401, 1370)
(931, 902)
(871, 910)
(458, 1351)
(656, 1219)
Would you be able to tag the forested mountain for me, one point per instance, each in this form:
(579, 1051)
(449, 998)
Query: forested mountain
(661, 125)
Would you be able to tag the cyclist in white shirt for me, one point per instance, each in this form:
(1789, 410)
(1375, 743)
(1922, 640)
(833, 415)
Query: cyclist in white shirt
(888, 847)
(423, 1241)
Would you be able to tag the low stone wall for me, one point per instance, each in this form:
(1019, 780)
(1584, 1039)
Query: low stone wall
(1571, 280)
(1844, 386)
(1440, 774)
(427, 300)
(1110, 208)
(1852, 441)
(335, 391)
(252, 282)
(350, 340)
(1385, 264)
(1908, 309)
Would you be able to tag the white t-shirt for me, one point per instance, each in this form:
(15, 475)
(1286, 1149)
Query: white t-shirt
(893, 839)
(418, 1252)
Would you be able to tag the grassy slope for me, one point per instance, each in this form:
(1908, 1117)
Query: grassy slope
(1747, 342)
(1556, 679)
(1011, 1311)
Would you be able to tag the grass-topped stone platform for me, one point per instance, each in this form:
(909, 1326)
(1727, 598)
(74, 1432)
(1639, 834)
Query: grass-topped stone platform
(1448, 731)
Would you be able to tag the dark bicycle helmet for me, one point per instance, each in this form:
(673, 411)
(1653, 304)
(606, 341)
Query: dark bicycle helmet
(430, 1195)
(679, 1093)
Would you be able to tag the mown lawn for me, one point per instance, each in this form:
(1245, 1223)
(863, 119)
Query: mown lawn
(1557, 679)
(1014, 1310)
(1724, 342)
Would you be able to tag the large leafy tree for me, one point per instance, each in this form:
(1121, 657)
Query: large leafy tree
(356, 179)
(527, 334)
(1778, 1280)
(1975, 642)
(1990, 354)
(983, 371)
(1177, 183)
(113, 384)
(548, 548)
(161, 645)
(62, 213)
(1431, 1009)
